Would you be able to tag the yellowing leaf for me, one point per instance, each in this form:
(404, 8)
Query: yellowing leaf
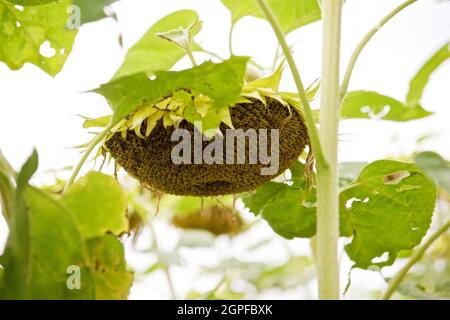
(36, 34)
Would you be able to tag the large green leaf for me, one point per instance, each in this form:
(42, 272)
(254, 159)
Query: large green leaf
(291, 14)
(26, 32)
(152, 53)
(372, 105)
(36, 267)
(435, 167)
(289, 209)
(47, 237)
(221, 82)
(97, 212)
(420, 80)
(387, 209)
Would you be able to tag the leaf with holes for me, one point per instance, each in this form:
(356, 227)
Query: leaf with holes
(386, 210)
(372, 105)
(37, 35)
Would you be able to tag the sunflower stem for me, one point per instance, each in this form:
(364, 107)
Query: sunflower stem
(327, 177)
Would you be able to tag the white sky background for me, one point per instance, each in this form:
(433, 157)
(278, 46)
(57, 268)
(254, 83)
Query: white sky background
(39, 111)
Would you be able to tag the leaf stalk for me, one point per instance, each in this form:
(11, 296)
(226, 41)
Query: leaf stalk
(309, 117)
(364, 41)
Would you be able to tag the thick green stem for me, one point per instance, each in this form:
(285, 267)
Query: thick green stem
(327, 177)
(365, 41)
(418, 254)
(313, 132)
(86, 154)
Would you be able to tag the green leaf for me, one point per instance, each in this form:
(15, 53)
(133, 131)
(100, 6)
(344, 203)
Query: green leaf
(291, 14)
(372, 105)
(92, 10)
(289, 210)
(420, 80)
(5, 166)
(48, 236)
(387, 209)
(108, 272)
(35, 267)
(101, 122)
(31, 2)
(7, 192)
(271, 82)
(182, 37)
(151, 53)
(435, 167)
(18, 241)
(221, 82)
(6, 195)
(25, 32)
(256, 200)
(97, 212)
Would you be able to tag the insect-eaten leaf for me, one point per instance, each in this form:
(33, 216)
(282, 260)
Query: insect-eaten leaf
(375, 106)
(386, 210)
(36, 34)
(289, 207)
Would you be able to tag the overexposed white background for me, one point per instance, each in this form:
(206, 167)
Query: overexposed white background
(39, 111)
